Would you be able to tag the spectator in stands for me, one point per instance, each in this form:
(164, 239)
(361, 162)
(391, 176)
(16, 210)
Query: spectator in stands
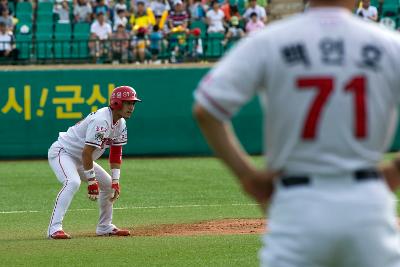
(260, 11)
(156, 39)
(101, 7)
(367, 12)
(230, 10)
(82, 11)
(178, 18)
(254, 24)
(197, 10)
(141, 18)
(139, 45)
(120, 19)
(234, 31)
(159, 7)
(62, 10)
(215, 18)
(4, 5)
(7, 49)
(100, 32)
(7, 19)
(120, 5)
(120, 44)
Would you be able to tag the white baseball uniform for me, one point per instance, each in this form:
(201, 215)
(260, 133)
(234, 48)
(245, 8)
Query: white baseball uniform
(329, 86)
(65, 158)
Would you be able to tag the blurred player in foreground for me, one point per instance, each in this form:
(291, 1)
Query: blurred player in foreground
(72, 159)
(329, 85)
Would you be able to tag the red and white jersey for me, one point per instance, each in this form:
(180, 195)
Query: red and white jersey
(329, 84)
(97, 130)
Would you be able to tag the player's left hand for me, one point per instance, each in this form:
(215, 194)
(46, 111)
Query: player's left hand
(116, 190)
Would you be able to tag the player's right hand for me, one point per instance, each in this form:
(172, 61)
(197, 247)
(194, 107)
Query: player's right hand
(93, 189)
(259, 184)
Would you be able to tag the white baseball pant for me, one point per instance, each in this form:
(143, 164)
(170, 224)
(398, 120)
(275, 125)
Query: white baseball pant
(69, 171)
(333, 222)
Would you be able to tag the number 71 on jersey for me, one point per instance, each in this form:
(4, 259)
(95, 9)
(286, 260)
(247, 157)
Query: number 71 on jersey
(324, 87)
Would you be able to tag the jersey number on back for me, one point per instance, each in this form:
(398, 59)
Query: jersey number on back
(324, 87)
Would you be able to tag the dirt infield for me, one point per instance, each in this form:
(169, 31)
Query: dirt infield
(103, 66)
(216, 227)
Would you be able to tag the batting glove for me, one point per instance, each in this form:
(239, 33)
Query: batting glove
(116, 190)
(93, 189)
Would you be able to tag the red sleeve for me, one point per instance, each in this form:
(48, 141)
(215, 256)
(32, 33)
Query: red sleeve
(115, 154)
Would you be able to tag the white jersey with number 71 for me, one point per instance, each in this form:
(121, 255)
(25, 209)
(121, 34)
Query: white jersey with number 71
(330, 84)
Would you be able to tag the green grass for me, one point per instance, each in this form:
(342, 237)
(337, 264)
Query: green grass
(154, 191)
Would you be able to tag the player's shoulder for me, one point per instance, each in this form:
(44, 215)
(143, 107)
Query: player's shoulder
(122, 123)
(101, 116)
(377, 32)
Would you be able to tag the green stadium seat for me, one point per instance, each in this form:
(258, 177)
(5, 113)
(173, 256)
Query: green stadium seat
(44, 45)
(45, 18)
(391, 2)
(374, 3)
(28, 26)
(242, 4)
(214, 48)
(390, 11)
(24, 45)
(24, 8)
(79, 48)
(62, 49)
(201, 25)
(62, 40)
(44, 28)
(82, 29)
(45, 8)
(62, 29)
(81, 35)
(24, 18)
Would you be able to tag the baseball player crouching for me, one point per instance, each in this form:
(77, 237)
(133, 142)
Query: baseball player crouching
(72, 158)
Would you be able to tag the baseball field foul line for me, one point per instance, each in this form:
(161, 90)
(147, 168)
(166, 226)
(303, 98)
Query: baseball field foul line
(134, 208)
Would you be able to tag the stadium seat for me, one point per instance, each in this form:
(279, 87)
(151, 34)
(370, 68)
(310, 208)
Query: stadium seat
(241, 6)
(45, 9)
(201, 25)
(24, 17)
(45, 18)
(23, 27)
(82, 29)
(63, 29)
(214, 48)
(79, 48)
(391, 2)
(374, 3)
(24, 45)
(24, 8)
(81, 34)
(44, 28)
(62, 40)
(390, 10)
(44, 45)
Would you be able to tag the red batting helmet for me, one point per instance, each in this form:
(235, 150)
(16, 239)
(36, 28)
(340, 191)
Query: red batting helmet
(122, 93)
